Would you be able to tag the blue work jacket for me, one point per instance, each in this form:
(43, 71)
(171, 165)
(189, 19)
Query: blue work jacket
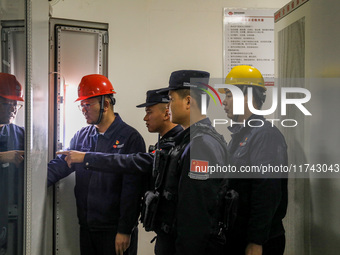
(104, 201)
(11, 137)
(11, 181)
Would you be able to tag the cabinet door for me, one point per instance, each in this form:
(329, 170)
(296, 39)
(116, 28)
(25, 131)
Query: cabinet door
(79, 48)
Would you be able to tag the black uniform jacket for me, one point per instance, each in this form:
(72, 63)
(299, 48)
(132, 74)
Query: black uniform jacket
(128, 163)
(262, 197)
(197, 205)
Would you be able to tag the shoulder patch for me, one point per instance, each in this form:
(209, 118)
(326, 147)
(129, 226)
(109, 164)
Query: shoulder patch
(199, 169)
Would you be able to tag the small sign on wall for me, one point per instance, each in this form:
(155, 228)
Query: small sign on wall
(249, 40)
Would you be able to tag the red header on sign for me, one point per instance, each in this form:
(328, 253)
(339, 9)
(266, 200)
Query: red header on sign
(288, 8)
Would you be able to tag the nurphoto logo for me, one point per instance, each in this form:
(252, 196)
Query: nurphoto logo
(238, 104)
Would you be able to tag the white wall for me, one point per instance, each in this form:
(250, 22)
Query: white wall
(151, 38)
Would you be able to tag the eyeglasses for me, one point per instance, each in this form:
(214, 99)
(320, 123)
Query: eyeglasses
(12, 105)
(86, 106)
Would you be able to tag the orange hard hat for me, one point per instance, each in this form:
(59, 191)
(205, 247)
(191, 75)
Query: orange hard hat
(94, 85)
(10, 88)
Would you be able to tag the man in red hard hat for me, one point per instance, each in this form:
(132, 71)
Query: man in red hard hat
(108, 205)
(10, 94)
(11, 155)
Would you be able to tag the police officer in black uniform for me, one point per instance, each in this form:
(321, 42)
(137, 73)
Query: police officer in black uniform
(186, 219)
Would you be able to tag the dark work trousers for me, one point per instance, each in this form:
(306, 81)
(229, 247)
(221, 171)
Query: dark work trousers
(103, 242)
(3, 208)
(165, 244)
(274, 246)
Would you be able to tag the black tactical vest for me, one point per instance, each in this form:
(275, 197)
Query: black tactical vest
(161, 203)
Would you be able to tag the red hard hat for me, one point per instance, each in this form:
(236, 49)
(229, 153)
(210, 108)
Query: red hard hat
(94, 85)
(10, 88)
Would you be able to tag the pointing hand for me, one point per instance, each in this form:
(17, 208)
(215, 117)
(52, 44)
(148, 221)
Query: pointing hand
(72, 157)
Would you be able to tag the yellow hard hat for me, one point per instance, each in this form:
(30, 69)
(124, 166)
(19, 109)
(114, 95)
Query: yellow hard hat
(244, 75)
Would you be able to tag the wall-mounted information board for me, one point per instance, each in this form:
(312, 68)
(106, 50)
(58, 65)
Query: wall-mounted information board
(249, 40)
